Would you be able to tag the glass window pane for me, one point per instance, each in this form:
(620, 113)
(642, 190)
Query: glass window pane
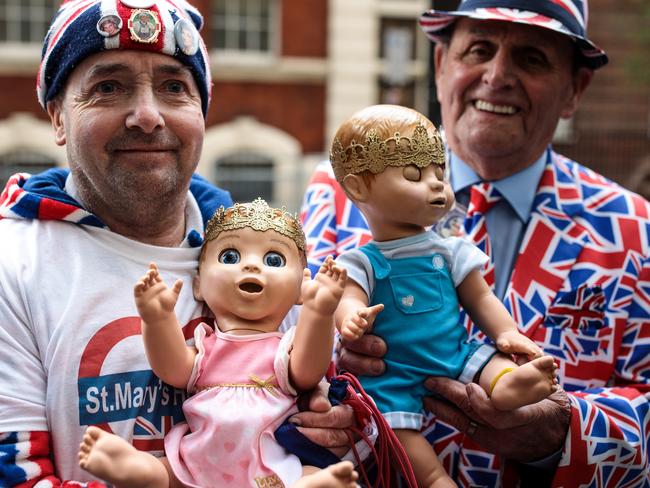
(26, 20)
(242, 25)
(246, 175)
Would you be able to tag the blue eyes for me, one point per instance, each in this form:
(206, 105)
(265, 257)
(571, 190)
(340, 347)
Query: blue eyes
(274, 259)
(229, 256)
(271, 259)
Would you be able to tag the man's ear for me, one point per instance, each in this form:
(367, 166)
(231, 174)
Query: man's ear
(196, 287)
(355, 187)
(580, 82)
(56, 117)
(439, 53)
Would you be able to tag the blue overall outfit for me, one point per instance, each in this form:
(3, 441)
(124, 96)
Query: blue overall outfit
(420, 325)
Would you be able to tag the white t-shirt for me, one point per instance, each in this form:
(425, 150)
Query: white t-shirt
(70, 344)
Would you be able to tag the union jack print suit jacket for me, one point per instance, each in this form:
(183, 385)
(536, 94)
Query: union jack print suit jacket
(581, 289)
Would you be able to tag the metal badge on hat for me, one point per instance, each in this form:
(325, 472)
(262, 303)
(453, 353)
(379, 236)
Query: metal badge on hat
(144, 26)
(187, 37)
(109, 25)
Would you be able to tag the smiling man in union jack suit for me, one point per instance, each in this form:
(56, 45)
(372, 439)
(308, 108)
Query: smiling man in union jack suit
(569, 252)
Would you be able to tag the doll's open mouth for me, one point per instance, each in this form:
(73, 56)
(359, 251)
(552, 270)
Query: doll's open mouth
(250, 287)
(438, 202)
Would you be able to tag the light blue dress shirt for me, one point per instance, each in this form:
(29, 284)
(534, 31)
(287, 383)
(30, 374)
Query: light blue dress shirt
(507, 220)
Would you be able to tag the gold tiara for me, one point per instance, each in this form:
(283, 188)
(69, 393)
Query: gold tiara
(258, 216)
(376, 155)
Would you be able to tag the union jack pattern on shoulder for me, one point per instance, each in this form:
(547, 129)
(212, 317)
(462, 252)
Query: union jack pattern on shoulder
(581, 290)
(332, 223)
(51, 203)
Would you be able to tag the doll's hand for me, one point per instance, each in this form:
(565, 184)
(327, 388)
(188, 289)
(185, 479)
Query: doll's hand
(514, 342)
(525, 434)
(154, 300)
(357, 324)
(324, 292)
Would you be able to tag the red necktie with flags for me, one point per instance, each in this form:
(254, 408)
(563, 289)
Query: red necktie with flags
(482, 198)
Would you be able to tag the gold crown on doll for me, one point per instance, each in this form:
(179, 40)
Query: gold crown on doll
(376, 155)
(258, 216)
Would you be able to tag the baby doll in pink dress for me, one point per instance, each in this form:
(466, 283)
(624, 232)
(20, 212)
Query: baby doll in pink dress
(243, 375)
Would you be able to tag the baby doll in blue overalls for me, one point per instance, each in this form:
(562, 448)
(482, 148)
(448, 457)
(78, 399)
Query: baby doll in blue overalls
(407, 283)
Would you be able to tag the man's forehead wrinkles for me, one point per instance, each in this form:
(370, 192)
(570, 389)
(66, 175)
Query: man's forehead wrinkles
(172, 69)
(103, 69)
(109, 69)
(523, 33)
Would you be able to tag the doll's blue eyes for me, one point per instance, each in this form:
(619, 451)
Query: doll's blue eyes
(229, 256)
(271, 259)
(274, 260)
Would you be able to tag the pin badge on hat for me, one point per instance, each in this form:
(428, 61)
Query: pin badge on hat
(187, 38)
(109, 25)
(138, 3)
(144, 26)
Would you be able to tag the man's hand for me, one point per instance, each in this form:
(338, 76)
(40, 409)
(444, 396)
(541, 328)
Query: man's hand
(526, 434)
(363, 356)
(323, 424)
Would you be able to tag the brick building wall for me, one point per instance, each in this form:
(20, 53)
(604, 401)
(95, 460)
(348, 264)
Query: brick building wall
(611, 131)
(294, 106)
(298, 109)
(19, 95)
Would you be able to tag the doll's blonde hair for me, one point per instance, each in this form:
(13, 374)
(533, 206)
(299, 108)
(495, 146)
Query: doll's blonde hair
(384, 135)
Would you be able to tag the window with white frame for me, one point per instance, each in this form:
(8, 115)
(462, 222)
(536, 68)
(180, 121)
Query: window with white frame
(246, 175)
(26, 21)
(243, 25)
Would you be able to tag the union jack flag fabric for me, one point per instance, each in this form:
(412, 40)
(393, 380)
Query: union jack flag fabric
(331, 222)
(581, 289)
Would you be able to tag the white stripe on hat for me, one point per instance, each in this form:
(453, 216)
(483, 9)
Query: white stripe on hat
(169, 41)
(571, 7)
(185, 6)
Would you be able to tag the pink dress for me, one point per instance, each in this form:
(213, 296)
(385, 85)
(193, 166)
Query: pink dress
(241, 394)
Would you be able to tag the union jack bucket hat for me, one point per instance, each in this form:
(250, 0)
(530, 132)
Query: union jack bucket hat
(568, 17)
(82, 28)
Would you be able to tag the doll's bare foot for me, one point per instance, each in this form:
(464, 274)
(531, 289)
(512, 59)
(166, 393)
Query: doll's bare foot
(324, 292)
(514, 342)
(113, 459)
(339, 475)
(526, 384)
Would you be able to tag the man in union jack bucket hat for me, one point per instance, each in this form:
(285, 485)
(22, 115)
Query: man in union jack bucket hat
(568, 17)
(561, 241)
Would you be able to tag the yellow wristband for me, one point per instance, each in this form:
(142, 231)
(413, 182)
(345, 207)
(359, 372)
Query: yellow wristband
(497, 378)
